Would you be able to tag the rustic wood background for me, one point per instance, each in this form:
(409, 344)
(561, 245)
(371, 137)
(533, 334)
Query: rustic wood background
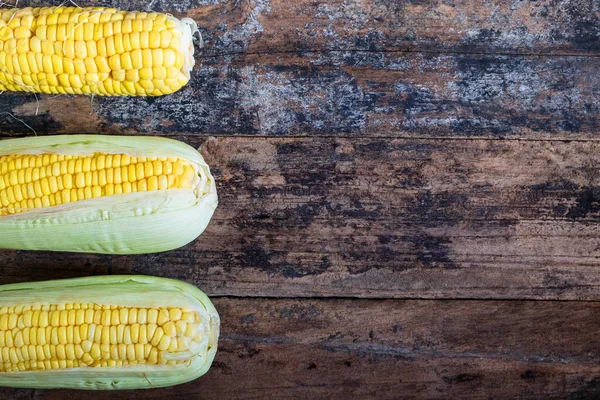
(409, 196)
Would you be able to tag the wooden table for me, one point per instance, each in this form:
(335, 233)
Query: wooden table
(409, 196)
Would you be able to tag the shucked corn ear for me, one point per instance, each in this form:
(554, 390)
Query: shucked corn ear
(94, 50)
(102, 194)
(111, 332)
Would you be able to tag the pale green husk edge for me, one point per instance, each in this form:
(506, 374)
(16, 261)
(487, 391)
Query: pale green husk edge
(120, 224)
(129, 290)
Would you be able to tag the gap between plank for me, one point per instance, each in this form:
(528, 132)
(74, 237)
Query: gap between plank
(376, 299)
(365, 137)
(401, 51)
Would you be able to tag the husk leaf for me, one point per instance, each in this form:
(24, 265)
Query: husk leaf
(124, 290)
(130, 223)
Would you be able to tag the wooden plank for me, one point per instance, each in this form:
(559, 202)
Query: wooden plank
(338, 349)
(343, 94)
(381, 218)
(267, 26)
(475, 26)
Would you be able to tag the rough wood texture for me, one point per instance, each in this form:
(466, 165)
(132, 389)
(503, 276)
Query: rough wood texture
(337, 349)
(376, 68)
(382, 218)
(353, 158)
(349, 94)
(466, 26)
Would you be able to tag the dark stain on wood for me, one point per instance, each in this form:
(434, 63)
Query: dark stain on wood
(579, 201)
(586, 24)
(360, 178)
(452, 95)
(589, 390)
(448, 349)
(11, 123)
(433, 252)
(428, 68)
(588, 201)
(247, 319)
(461, 378)
(247, 350)
(381, 218)
(529, 374)
(430, 95)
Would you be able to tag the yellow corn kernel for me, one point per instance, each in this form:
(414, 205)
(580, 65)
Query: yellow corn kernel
(68, 34)
(69, 183)
(170, 329)
(112, 340)
(157, 337)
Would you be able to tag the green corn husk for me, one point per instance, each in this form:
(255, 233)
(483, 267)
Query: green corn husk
(132, 223)
(127, 290)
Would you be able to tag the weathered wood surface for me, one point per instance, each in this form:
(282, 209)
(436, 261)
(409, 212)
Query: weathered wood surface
(344, 94)
(353, 159)
(340, 349)
(381, 218)
(466, 26)
(360, 68)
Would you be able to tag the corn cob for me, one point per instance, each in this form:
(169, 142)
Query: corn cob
(95, 50)
(110, 332)
(103, 194)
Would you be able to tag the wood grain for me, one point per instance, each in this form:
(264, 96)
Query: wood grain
(343, 94)
(381, 218)
(466, 26)
(467, 68)
(338, 349)
(353, 160)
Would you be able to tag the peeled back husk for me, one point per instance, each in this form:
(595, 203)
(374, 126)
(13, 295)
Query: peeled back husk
(127, 223)
(131, 291)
